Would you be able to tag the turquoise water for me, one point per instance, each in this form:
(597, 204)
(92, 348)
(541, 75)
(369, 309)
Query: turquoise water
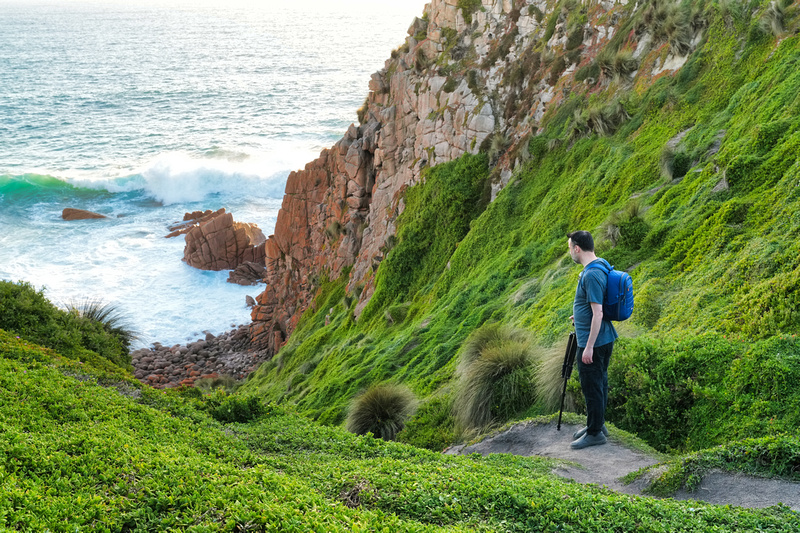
(143, 111)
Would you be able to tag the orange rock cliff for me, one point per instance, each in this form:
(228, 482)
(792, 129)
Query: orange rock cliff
(461, 81)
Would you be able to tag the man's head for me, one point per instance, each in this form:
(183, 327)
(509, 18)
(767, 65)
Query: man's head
(580, 244)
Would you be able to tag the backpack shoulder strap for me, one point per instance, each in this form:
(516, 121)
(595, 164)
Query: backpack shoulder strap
(602, 265)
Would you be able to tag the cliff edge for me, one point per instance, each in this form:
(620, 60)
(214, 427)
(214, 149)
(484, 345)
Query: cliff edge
(471, 76)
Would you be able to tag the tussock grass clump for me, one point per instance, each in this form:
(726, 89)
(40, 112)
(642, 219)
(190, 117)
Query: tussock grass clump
(772, 21)
(674, 164)
(334, 230)
(549, 383)
(626, 227)
(603, 120)
(624, 63)
(498, 145)
(381, 410)
(484, 337)
(496, 377)
(362, 111)
(106, 314)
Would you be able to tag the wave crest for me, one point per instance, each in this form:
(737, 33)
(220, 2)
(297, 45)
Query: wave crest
(178, 178)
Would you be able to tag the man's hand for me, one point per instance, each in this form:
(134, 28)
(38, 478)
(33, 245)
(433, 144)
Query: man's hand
(597, 321)
(588, 353)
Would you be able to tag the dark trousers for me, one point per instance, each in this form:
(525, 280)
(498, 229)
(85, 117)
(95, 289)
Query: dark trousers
(594, 384)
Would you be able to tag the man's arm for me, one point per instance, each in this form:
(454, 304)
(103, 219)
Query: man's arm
(594, 331)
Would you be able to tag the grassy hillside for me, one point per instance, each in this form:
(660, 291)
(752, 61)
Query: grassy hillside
(689, 182)
(82, 449)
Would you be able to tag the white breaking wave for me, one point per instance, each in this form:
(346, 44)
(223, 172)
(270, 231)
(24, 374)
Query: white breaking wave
(180, 178)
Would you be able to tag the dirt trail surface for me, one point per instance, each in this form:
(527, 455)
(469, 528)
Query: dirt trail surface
(606, 464)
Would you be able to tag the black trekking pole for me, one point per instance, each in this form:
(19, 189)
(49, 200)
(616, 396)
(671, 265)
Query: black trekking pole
(566, 370)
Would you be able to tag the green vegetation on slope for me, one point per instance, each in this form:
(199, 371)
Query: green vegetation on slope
(693, 190)
(84, 450)
(90, 332)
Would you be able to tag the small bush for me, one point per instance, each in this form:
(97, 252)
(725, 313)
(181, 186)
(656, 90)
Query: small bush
(468, 7)
(558, 68)
(228, 409)
(225, 382)
(381, 410)
(498, 383)
(421, 62)
(432, 427)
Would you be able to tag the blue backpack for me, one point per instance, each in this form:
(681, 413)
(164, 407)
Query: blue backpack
(618, 302)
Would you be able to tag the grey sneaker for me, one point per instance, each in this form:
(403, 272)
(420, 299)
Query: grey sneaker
(588, 440)
(578, 434)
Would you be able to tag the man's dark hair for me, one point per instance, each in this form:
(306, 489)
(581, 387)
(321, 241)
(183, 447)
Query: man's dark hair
(582, 239)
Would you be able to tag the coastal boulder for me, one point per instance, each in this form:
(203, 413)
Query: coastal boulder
(222, 244)
(192, 220)
(79, 214)
(247, 274)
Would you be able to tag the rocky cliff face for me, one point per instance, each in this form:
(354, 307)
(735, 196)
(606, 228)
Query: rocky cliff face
(483, 76)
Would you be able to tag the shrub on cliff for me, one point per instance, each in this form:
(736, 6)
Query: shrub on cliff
(495, 378)
(26, 312)
(381, 410)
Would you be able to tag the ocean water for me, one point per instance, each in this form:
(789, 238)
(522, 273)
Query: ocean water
(143, 111)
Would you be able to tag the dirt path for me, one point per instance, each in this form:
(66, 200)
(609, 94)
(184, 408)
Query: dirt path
(606, 464)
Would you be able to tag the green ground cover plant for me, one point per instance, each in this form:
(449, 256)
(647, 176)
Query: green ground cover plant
(82, 449)
(706, 369)
(773, 456)
(710, 245)
(89, 331)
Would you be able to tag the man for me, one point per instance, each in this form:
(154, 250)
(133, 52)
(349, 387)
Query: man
(595, 339)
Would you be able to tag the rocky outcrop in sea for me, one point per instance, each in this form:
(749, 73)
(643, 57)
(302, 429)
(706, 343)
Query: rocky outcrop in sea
(214, 241)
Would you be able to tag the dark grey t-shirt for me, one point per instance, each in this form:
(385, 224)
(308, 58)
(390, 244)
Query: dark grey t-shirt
(591, 288)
